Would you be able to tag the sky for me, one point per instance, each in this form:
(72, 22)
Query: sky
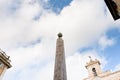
(29, 28)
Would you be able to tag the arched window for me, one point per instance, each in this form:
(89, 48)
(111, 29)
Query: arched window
(94, 71)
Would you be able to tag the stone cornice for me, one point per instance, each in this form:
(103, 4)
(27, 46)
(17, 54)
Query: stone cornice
(5, 59)
(92, 62)
(102, 75)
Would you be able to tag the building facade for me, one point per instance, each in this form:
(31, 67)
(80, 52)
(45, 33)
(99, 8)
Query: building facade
(95, 72)
(118, 6)
(4, 63)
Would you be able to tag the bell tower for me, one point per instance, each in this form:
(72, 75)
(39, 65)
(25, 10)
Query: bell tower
(93, 67)
(4, 63)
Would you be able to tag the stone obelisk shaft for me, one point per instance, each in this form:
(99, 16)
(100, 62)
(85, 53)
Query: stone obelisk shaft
(60, 66)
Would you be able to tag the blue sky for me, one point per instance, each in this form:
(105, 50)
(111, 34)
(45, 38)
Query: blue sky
(29, 31)
(58, 4)
(112, 53)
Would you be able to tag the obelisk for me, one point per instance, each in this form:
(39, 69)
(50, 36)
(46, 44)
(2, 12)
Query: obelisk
(60, 66)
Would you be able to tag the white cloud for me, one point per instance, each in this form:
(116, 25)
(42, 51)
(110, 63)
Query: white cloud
(117, 67)
(30, 61)
(75, 68)
(76, 64)
(75, 19)
(105, 42)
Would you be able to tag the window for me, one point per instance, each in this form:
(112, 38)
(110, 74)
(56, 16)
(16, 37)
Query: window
(94, 71)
